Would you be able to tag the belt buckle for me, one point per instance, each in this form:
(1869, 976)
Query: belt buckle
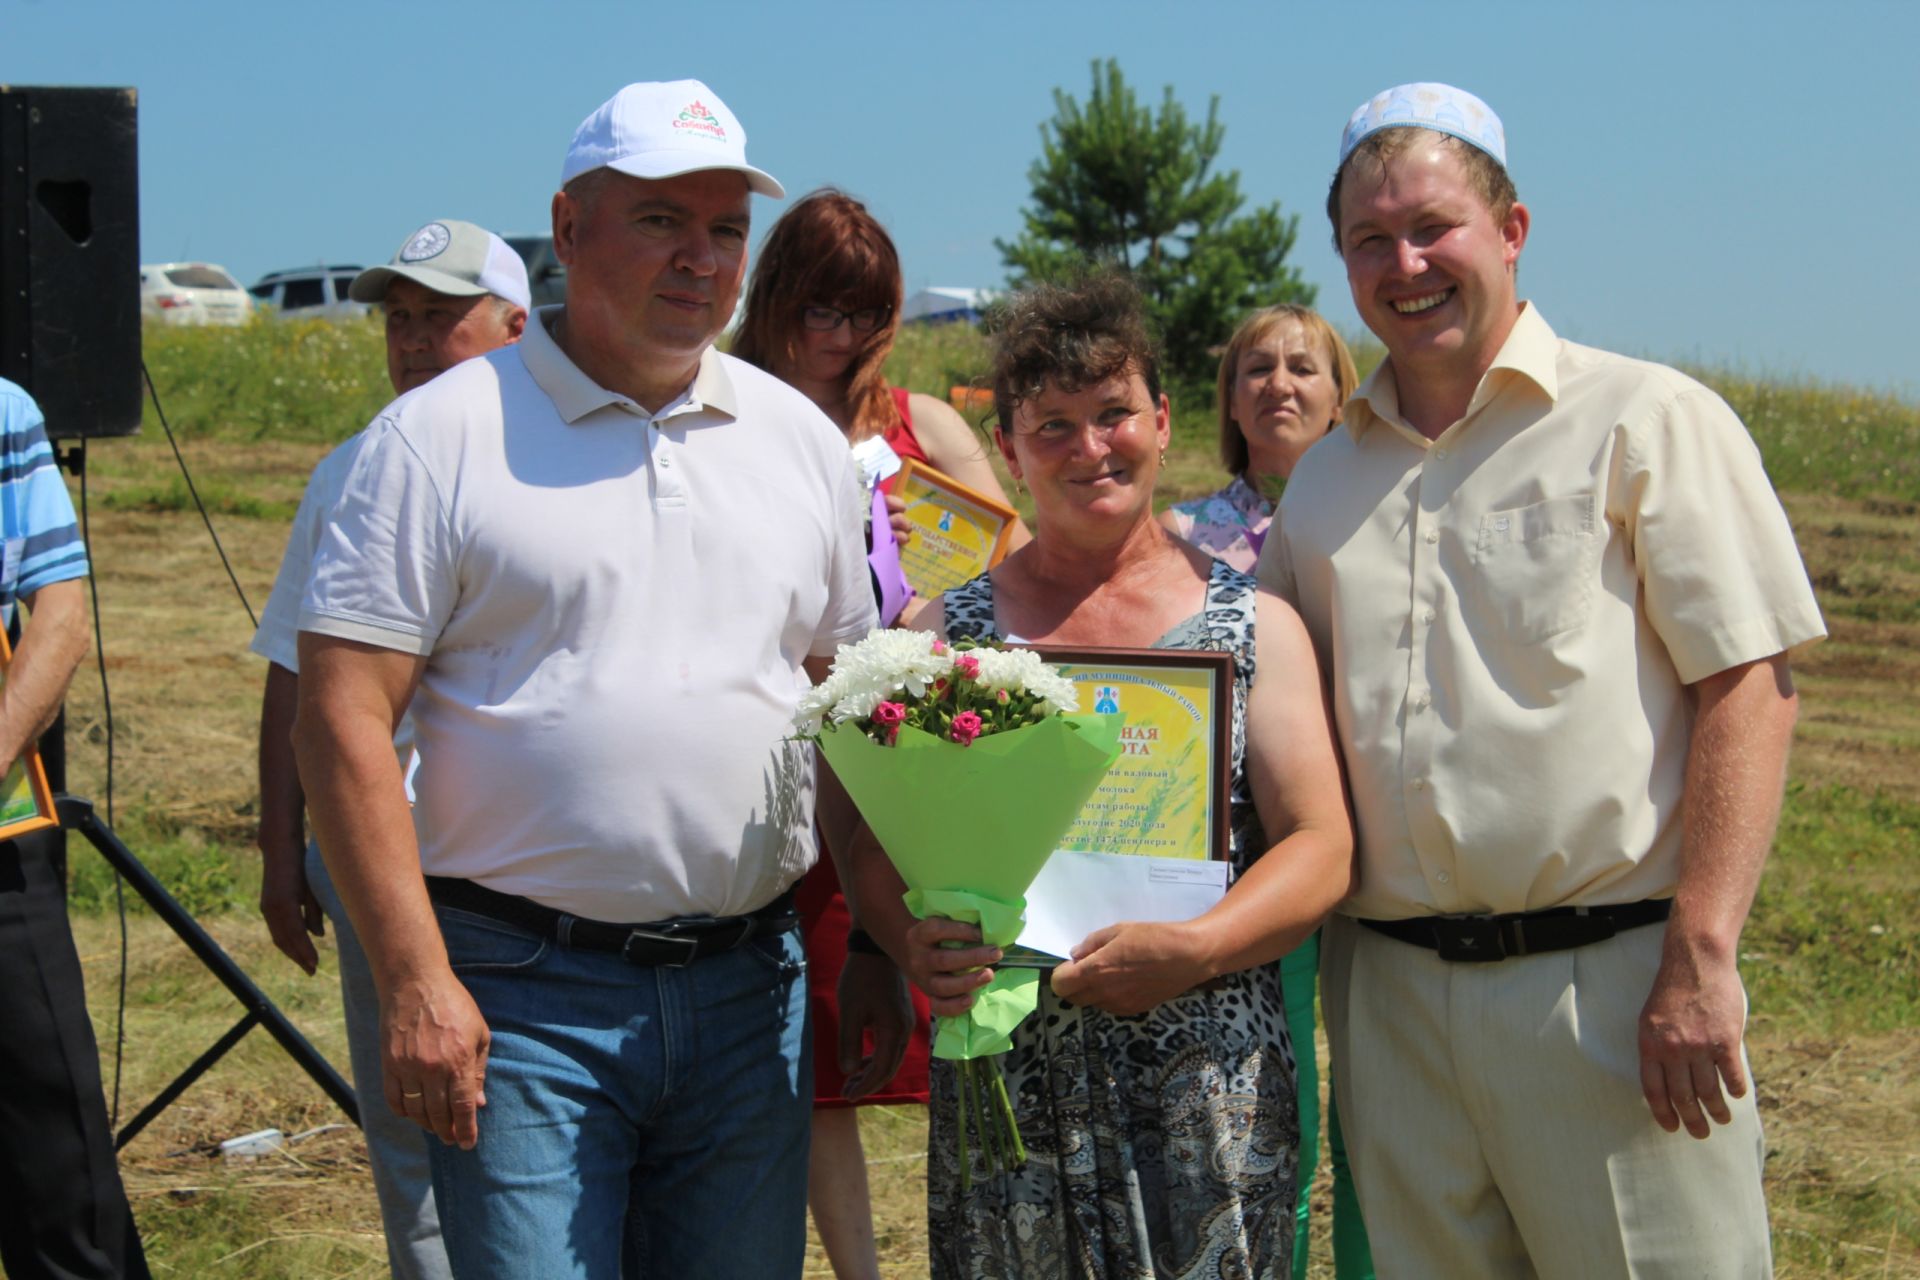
(1469, 938)
(690, 948)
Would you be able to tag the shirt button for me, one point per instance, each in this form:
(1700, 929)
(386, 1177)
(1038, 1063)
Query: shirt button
(1424, 699)
(1443, 877)
(1440, 454)
(1428, 616)
(1419, 784)
(1433, 535)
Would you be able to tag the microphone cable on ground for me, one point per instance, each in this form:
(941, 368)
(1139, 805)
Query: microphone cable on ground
(106, 696)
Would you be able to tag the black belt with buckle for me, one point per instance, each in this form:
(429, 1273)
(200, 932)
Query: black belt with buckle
(1522, 933)
(667, 943)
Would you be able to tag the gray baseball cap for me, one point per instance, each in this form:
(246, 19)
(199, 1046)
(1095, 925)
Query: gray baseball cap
(451, 257)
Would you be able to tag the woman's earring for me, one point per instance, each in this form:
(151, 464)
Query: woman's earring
(1163, 457)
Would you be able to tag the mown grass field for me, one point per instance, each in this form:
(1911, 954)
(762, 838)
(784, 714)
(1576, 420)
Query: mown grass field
(1832, 954)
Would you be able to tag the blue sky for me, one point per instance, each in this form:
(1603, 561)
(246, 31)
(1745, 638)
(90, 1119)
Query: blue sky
(1730, 184)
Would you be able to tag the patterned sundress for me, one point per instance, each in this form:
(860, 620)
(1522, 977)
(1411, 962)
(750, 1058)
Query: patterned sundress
(1160, 1145)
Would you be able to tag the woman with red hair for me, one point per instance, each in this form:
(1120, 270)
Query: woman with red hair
(822, 311)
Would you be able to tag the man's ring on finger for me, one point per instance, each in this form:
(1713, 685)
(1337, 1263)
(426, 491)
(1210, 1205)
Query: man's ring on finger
(417, 1093)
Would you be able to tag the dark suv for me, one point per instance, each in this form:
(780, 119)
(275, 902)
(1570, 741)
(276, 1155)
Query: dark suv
(546, 274)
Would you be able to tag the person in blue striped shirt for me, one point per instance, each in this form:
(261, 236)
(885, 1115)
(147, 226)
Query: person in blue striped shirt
(66, 1212)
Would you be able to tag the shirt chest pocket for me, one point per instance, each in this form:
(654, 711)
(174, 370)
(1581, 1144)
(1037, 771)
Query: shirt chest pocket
(1535, 566)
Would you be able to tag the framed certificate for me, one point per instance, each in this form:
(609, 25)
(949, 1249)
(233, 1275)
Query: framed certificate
(957, 534)
(1166, 797)
(26, 801)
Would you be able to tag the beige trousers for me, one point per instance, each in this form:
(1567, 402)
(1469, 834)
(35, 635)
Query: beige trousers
(1496, 1128)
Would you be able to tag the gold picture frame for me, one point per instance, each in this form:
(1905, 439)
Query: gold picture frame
(958, 533)
(1167, 795)
(26, 801)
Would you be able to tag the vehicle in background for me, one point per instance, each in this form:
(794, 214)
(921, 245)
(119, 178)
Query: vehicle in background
(948, 306)
(546, 274)
(192, 293)
(310, 292)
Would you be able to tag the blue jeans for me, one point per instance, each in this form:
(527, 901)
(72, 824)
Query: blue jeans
(396, 1146)
(639, 1121)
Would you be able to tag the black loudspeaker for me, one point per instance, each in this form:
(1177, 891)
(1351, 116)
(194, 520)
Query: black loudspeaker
(70, 255)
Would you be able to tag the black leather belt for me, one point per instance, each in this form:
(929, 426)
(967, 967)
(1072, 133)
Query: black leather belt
(1474, 938)
(667, 943)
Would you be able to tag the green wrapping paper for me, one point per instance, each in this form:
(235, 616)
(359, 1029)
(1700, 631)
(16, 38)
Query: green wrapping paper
(977, 823)
(999, 1006)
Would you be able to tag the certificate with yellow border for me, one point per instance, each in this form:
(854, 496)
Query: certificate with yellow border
(26, 801)
(1166, 797)
(958, 534)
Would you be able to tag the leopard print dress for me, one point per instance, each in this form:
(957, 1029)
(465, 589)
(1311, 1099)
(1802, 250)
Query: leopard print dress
(1160, 1145)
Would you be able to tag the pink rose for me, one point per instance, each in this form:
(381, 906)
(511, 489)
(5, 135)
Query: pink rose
(940, 685)
(939, 647)
(1003, 697)
(889, 714)
(967, 665)
(966, 727)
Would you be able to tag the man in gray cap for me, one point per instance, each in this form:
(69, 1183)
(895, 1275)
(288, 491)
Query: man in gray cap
(453, 291)
(1554, 593)
(608, 560)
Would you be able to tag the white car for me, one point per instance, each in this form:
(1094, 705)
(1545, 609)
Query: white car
(192, 293)
(310, 292)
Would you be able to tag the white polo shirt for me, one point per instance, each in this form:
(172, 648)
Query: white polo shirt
(613, 607)
(277, 637)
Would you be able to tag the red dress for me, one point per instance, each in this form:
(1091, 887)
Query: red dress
(823, 928)
(900, 438)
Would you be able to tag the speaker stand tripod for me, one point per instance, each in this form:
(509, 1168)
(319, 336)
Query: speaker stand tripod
(77, 815)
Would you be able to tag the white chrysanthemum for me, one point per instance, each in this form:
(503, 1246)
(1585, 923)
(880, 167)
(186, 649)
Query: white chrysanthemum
(894, 664)
(1023, 671)
(890, 661)
(857, 705)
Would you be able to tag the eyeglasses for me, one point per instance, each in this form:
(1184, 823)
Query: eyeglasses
(827, 319)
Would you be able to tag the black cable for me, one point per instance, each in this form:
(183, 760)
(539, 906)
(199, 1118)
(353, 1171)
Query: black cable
(79, 464)
(195, 494)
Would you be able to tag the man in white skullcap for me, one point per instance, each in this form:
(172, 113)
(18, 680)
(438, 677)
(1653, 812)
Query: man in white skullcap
(453, 291)
(608, 560)
(1554, 593)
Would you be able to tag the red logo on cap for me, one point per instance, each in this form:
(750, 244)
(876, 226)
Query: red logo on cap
(698, 118)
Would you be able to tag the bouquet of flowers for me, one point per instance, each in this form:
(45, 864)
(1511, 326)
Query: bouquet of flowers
(920, 731)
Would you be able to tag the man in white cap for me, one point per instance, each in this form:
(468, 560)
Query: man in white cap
(1554, 592)
(452, 292)
(607, 560)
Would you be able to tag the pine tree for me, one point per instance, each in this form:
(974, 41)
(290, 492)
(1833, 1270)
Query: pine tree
(1119, 184)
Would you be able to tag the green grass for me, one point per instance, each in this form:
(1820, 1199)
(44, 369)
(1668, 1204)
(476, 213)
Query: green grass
(1833, 943)
(209, 876)
(308, 380)
(220, 498)
(1823, 438)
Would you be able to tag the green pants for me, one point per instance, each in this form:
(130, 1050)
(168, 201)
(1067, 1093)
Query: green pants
(1352, 1259)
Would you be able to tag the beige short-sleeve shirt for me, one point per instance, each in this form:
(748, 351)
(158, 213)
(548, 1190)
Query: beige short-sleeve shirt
(1509, 615)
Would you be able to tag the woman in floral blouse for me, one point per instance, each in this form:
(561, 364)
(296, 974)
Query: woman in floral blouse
(1284, 380)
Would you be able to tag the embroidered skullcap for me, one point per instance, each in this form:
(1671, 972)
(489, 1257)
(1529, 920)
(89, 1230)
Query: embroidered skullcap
(1439, 107)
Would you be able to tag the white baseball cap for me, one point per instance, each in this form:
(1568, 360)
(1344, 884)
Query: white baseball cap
(451, 257)
(662, 129)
